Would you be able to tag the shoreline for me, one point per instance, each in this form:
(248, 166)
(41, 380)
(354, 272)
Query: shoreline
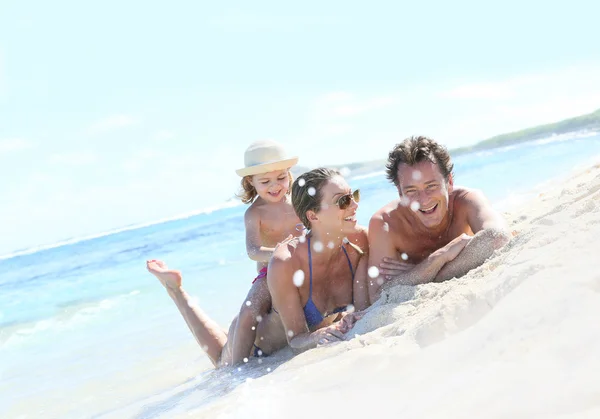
(354, 171)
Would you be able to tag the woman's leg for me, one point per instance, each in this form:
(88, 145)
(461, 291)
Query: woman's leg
(255, 308)
(207, 332)
(270, 334)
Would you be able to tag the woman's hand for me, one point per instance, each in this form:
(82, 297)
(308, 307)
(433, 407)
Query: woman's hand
(336, 332)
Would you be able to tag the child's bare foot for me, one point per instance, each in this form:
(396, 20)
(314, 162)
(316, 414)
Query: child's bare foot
(171, 279)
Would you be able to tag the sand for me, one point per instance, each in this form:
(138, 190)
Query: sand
(515, 338)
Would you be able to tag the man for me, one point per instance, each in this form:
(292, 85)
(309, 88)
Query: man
(434, 231)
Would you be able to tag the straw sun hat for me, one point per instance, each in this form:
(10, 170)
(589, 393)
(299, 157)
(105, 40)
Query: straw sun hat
(265, 156)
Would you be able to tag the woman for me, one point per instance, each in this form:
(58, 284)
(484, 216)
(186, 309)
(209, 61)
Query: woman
(312, 279)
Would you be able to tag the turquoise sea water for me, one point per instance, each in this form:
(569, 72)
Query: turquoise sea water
(84, 328)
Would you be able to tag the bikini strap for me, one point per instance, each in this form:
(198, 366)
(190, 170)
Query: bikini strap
(309, 270)
(349, 263)
(310, 267)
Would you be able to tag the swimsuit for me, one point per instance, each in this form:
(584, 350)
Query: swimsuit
(311, 312)
(257, 353)
(261, 274)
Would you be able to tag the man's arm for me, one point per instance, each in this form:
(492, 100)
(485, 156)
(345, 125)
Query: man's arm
(480, 214)
(382, 246)
(491, 233)
(428, 269)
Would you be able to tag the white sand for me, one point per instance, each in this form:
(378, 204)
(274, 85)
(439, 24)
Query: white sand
(515, 338)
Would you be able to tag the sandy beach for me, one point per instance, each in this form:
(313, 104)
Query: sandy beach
(124, 130)
(515, 338)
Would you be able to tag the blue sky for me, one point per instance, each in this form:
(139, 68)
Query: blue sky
(113, 113)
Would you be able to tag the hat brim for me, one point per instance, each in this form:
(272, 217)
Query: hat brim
(267, 167)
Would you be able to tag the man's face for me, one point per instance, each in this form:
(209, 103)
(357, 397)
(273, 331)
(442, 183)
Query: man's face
(423, 188)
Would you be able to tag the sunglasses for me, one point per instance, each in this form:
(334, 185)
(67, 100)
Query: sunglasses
(344, 201)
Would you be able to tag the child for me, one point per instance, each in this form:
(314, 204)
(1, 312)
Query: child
(266, 185)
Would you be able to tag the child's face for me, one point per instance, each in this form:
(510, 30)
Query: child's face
(272, 186)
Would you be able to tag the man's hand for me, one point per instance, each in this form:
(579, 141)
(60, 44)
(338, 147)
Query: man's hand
(478, 249)
(391, 268)
(453, 249)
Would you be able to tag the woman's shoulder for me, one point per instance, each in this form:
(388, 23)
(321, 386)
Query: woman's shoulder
(288, 252)
(286, 260)
(360, 239)
(360, 235)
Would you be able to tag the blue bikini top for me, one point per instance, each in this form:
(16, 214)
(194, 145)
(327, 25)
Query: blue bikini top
(311, 312)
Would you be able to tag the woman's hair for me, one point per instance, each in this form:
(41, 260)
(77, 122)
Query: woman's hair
(307, 195)
(307, 192)
(248, 192)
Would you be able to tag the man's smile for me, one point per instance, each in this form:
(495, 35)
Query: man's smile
(428, 210)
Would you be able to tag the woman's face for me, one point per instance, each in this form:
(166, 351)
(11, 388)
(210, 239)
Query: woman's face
(331, 216)
(272, 186)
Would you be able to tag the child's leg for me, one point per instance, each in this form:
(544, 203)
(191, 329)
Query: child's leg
(207, 333)
(259, 300)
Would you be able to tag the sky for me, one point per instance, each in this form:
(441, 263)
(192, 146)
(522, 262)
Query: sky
(119, 112)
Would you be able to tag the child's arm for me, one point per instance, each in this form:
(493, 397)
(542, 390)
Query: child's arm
(254, 248)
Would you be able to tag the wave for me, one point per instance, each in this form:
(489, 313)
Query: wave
(69, 315)
(565, 137)
(228, 204)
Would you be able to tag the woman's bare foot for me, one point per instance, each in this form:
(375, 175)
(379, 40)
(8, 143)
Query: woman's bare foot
(171, 279)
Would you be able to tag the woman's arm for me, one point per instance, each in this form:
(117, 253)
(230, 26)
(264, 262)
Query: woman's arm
(285, 295)
(491, 234)
(287, 301)
(360, 286)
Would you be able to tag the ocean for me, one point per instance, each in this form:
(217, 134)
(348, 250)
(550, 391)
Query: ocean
(85, 331)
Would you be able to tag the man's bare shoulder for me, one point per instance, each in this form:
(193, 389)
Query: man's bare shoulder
(467, 197)
(472, 206)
